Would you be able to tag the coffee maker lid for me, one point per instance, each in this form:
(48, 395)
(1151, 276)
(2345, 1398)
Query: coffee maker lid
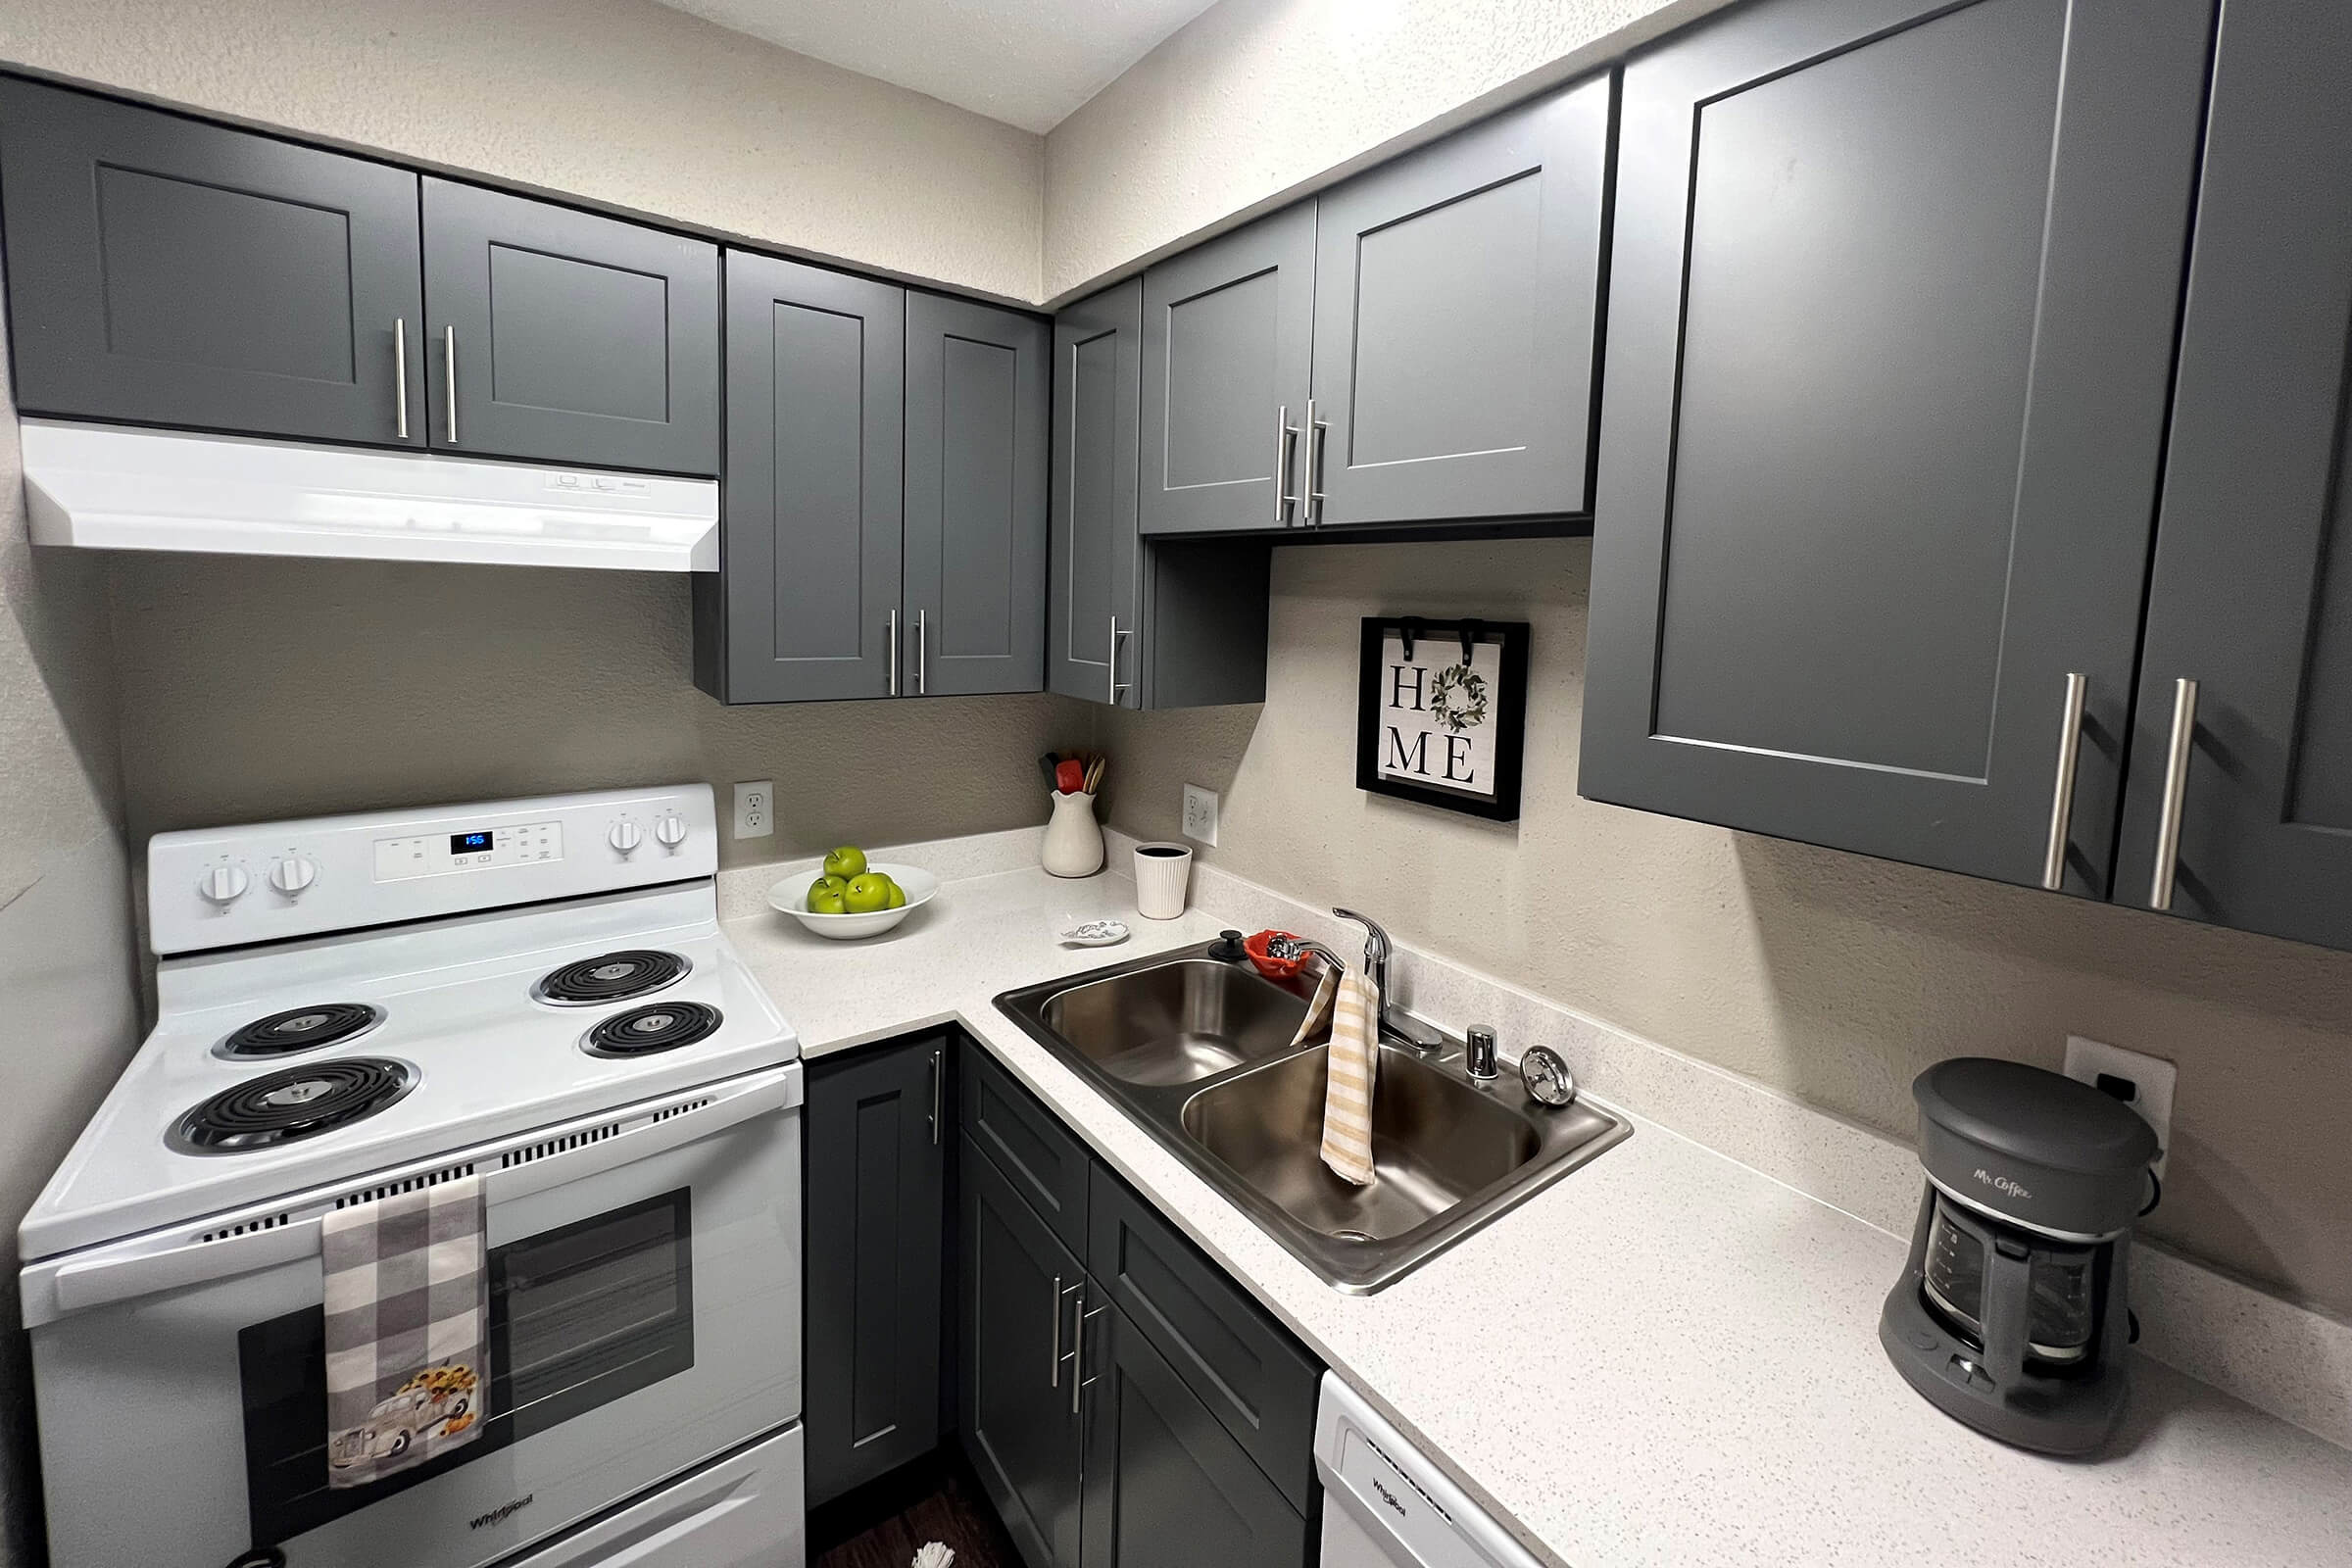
(2030, 1114)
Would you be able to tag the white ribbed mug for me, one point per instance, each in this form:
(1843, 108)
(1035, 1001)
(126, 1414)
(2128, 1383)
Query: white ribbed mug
(1161, 873)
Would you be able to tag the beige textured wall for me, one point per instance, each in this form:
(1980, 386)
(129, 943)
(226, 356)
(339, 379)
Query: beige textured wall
(621, 102)
(66, 965)
(258, 688)
(1256, 100)
(1831, 976)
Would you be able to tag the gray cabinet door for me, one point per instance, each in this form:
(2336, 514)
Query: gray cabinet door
(1166, 1486)
(808, 591)
(1228, 328)
(2252, 591)
(1021, 1299)
(1888, 367)
(1457, 299)
(977, 413)
(876, 1217)
(1097, 367)
(162, 271)
(575, 338)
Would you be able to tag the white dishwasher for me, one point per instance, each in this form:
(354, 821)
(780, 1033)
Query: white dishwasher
(1385, 1505)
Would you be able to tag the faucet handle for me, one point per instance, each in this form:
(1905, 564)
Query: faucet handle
(1376, 941)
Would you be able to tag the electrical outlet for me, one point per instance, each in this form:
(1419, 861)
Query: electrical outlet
(755, 808)
(2151, 1080)
(1201, 815)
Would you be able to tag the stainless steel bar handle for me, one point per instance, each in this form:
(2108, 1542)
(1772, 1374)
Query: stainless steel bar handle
(2062, 802)
(2176, 793)
(1085, 1381)
(1116, 685)
(1078, 1352)
(1285, 444)
(1054, 1373)
(400, 377)
(938, 1072)
(448, 377)
(1311, 502)
(922, 652)
(891, 621)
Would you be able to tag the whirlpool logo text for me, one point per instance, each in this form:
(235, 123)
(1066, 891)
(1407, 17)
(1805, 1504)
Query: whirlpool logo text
(505, 1511)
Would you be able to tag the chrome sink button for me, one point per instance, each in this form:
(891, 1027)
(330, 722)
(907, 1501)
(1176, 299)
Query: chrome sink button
(1547, 1078)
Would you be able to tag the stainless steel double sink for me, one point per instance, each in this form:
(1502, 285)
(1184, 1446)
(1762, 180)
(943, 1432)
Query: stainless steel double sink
(1199, 1053)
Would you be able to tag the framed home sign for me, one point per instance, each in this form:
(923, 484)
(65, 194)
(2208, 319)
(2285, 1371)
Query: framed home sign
(1441, 712)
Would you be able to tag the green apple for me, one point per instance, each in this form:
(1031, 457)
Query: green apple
(839, 884)
(868, 892)
(826, 898)
(846, 863)
(897, 895)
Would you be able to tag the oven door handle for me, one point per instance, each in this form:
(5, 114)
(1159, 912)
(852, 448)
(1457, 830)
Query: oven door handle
(56, 1289)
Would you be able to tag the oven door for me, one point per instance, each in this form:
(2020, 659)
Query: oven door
(645, 1317)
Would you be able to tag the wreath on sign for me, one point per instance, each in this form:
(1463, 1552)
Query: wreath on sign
(1457, 697)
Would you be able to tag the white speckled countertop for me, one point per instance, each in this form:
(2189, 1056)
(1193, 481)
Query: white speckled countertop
(1664, 1358)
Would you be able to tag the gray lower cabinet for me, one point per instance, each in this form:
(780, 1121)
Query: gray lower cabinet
(1228, 336)
(162, 271)
(879, 1129)
(1166, 1485)
(1135, 623)
(566, 337)
(1020, 1307)
(2251, 596)
(1458, 300)
(976, 450)
(806, 599)
(1889, 362)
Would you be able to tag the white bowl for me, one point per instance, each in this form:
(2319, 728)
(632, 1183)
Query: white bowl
(791, 896)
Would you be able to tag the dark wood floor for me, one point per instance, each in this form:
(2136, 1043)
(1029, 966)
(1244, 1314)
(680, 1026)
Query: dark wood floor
(955, 1513)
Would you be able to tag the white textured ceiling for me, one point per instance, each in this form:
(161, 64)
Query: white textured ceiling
(1025, 62)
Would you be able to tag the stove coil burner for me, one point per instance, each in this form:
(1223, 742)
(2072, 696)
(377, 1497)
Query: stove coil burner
(611, 977)
(293, 1104)
(642, 1031)
(282, 1034)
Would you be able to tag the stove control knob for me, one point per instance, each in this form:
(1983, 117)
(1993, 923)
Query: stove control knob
(671, 829)
(293, 874)
(625, 837)
(224, 885)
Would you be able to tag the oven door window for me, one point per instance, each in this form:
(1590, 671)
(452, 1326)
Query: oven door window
(579, 1316)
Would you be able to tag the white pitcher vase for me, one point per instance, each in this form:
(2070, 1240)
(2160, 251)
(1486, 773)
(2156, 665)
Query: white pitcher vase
(1073, 839)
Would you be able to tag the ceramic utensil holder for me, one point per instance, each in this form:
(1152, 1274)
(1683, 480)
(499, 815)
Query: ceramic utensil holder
(1073, 844)
(1162, 872)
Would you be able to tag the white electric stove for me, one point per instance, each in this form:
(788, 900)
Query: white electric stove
(534, 992)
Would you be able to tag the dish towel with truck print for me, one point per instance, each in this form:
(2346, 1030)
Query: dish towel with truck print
(408, 1309)
(1354, 1061)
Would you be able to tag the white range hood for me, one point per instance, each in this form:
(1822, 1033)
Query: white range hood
(111, 488)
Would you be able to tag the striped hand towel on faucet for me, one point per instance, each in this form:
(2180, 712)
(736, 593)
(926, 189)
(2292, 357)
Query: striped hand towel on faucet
(1354, 1054)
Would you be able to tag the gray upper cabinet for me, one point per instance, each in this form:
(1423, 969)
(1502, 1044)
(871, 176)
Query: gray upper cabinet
(1184, 619)
(1228, 331)
(1887, 373)
(1457, 300)
(2251, 597)
(806, 599)
(880, 1124)
(976, 450)
(565, 337)
(162, 271)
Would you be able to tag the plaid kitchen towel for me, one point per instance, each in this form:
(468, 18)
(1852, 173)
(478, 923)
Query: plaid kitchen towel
(407, 1329)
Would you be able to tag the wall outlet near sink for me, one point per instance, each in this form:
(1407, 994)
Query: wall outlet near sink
(2150, 1079)
(1201, 815)
(755, 808)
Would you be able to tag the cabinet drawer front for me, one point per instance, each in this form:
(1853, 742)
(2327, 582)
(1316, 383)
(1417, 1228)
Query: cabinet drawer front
(1458, 300)
(1042, 1159)
(167, 271)
(1888, 363)
(1166, 1485)
(1244, 1366)
(578, 338)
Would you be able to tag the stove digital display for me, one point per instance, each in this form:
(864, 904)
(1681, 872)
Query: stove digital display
(469, 842)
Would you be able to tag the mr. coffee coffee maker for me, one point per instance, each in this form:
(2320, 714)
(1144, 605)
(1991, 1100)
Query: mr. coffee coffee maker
(2013, 1313)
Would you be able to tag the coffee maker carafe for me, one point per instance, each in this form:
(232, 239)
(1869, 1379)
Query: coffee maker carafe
(2013, 1313)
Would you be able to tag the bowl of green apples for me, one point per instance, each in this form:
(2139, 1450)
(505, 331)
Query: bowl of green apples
(853, 897)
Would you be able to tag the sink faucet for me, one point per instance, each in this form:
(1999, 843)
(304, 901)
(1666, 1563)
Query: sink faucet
(1396, 1024)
